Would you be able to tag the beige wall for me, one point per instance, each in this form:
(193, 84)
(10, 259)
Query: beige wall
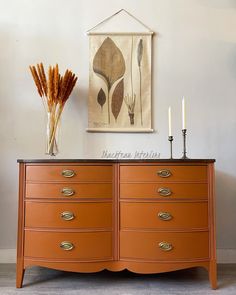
(194, 55)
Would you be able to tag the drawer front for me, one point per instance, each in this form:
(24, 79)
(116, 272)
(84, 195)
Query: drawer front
(83, 245)
(68, 215)
(163, 173)
(164, 215)
(68, 173)
(181, 246)
(68, 190)
(164, 191)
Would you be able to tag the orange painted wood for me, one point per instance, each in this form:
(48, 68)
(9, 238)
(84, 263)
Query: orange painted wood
(82, 173)
(81, 190)
(20, 232)
(134, 266)
(86, 215)
(212, 217)
(150, 173)
(116, 224)
(116, 213)
(144, 245)
(178, 190)
(213, 274)
(145, 215)
(87, 246)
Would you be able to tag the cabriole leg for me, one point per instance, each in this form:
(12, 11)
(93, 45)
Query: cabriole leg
(20, 271)
(213, 274)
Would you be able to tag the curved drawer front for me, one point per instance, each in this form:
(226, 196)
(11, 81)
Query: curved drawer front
(164, 215)
(163, 173)
(68, 173)
(164, 191)
(55, 245)
(175, 246)
(68, 190)
(68, 215)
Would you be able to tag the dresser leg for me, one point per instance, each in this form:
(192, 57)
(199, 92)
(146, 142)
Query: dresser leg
(19, 276)
(213, 274)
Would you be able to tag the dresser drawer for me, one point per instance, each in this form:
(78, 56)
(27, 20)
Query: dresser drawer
(163, 215)
(68, 173)
(68, 215)
(87, 246)
(163, 173)
(146, 245)
(68, 190)
(164, 191)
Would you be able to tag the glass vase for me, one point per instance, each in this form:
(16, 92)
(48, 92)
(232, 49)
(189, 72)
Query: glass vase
(52, 134)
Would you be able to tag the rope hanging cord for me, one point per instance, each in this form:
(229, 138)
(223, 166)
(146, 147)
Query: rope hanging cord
(89, 32)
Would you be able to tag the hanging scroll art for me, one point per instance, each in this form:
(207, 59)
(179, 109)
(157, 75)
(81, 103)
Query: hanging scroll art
(120, 81)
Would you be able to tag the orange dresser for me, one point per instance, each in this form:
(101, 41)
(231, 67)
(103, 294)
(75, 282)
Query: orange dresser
(89, 215)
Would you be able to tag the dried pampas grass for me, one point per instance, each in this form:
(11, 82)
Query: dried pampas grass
(55, 91)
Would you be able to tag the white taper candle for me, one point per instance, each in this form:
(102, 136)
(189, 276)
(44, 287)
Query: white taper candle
(183, 114)
(169, 120)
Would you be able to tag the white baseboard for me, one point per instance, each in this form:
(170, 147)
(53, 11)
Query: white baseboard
(226, 255)
(223, 255)
(7, 255)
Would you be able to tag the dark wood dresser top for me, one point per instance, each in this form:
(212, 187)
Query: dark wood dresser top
(116, 161)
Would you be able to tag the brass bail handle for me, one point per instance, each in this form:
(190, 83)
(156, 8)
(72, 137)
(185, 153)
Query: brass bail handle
(164, 173)
(165, 246)
(165, 216)
(164, 191)
(66, 246)
(68, 173)
(67, 215)
(67, 192)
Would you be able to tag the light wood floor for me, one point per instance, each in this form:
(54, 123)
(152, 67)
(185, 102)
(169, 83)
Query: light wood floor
(45, 281)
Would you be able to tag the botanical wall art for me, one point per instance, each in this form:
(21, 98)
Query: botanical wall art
(120, 83)
(120, 75)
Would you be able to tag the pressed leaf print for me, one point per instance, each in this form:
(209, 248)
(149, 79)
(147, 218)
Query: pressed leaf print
(130, 103)
(130, 99)
(139, 58)
(101, 98)
(109, 64)
(140, 52)
(117, 99)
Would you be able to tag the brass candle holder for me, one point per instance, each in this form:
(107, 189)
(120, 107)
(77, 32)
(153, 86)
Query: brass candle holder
(170, 138)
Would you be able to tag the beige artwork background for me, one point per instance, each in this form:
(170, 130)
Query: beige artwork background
(97, 115)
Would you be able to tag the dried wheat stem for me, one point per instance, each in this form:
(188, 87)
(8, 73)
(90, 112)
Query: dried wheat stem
(56, 80)
(36, 80)
(43, 79)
